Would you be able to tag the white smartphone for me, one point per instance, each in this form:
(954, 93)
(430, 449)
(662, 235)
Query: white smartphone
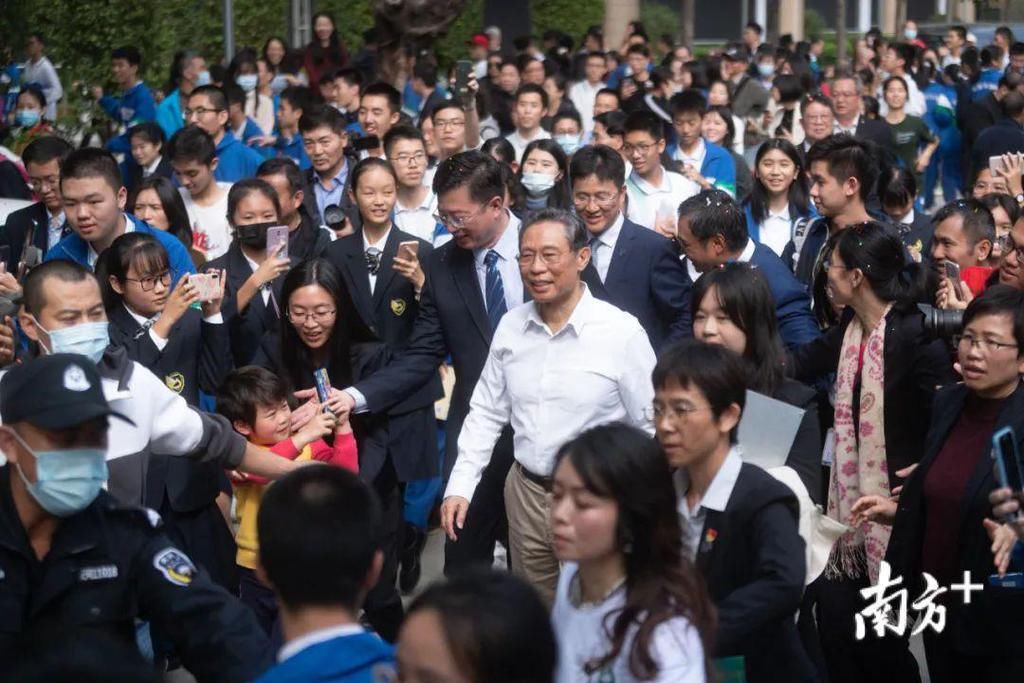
(995, 165)
(408, 250)
(277, 236)
(207, 285)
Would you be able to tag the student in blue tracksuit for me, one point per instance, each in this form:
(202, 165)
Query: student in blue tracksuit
(940, 114)
(135, 102)
(319, 552)
(293, 101)
(208, 109)
(699, 159)
(94, 200)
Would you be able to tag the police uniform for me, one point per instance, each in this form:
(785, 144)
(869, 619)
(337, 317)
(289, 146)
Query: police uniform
(195, 357)
(109, 563)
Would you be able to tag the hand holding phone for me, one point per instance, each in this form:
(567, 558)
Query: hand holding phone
(1007, 464)
(463, 68)
(408, 250)
(277, 241)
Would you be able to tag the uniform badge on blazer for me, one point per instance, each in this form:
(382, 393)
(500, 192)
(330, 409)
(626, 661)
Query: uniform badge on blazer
(709, 539)
(398, 306)
(175, 382)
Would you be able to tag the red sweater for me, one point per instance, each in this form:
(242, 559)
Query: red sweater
(343, 454)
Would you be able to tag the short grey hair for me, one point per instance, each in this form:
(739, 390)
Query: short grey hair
(575, 233)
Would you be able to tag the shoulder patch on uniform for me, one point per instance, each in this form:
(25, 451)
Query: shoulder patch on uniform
(175, 566)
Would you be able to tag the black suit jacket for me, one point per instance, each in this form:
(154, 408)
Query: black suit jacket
(195, 358)
(991, 624)
(647, 280)
(346, 204)
(408, 431)
(875, 131)
(915, 366)
(752, 558)
(134, 172)
(30, 224)
(452, 321)
(433, 100)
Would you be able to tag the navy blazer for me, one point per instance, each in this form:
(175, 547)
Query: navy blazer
(452, 321)
(647, 280)
(991, 624)
(792, 305)
(30, 224)
(752, 558)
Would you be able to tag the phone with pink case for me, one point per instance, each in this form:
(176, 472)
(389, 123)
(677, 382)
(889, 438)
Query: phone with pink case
(276, 236)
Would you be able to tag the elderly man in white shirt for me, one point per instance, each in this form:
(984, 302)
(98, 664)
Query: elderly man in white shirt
(559, 364)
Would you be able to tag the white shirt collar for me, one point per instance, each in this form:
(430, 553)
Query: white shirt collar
(611, 236)
(647, 188)
(580, 315)
(781, 215)
(428, 204)
(909, 218)
(695, 159)
(151, 169)
(718, 493)
(92, 256)
(140, 319)
(852, 127)
(507, 245)
(252, 264)
(748, 251)
(379, 244)
(50, 216)
(312, 638)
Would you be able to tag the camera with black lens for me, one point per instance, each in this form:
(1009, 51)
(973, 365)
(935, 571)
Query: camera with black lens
(940, 323)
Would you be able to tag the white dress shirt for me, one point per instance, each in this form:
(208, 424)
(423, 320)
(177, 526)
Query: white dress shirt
(147, 324)
(776, 230)
(264, 291)
(647, 202)
(519, 143)
(744, 257)
(715, 498)
(379, 244)
(551, 387)
(419, 220)
(508, 264)
(151, 169)
(603, 249)
(583, 95)
(850, 130)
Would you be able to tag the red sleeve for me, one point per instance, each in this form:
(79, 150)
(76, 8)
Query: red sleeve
(344, 453)
(286, 449)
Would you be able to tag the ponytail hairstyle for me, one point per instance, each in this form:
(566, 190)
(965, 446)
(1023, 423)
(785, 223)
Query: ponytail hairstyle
(614, 461)
(137, 249)
(878, 253)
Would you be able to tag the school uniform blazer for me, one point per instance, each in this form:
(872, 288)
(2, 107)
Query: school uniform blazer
(195, 358)
(752, 558)
(34, 220)
(991, 624)
(647, 280)
(915, 366)
(132, 172)
(246, 328)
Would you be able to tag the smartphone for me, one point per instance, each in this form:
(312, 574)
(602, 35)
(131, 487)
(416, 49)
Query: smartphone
(365, 143)
(323, 385)
(463, 68)
(5, 255)
(995, 165)
(1007, 461)
(276, 236)
(952, 271)
(207, 285)
(408, 250)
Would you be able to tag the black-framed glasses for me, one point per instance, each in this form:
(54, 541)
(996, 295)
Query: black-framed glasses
(149, 283)
(320, 316)
(984, 345)
(199, 111)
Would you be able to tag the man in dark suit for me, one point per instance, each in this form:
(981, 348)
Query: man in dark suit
(976, 116)
(846, 94)
(328, 180)
(30, 232)
(471, 281)
(739, 523)
(631, 267)
(713, 231)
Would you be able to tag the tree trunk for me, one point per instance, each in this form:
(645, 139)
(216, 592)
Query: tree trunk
(840, 32)
(687, 22)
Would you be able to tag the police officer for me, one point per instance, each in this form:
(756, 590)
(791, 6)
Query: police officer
(71, 555)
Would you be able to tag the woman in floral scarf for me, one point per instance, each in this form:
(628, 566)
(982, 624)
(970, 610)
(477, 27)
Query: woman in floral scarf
(887, 372)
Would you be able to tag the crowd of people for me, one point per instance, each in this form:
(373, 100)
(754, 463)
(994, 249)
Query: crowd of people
(682, 354)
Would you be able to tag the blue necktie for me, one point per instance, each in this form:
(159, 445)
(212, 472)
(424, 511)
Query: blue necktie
(439, 230)
(494, 295)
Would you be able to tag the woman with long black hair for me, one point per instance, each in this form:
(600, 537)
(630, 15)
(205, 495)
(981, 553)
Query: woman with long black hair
(629, 605)
(159, 203)
(544, 175)
(325, 52)
(779, 199)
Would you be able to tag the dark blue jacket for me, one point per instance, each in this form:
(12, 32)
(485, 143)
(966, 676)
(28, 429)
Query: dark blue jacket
(235, 160)
(294, 149)
(74, 248)
(134, 105)
(647, 280)
(1006, 136)
(356, 658)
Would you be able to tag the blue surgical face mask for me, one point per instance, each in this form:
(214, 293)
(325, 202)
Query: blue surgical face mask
(538, 184)
(247, 82)
(568, 143)
(26, 117)
(203, 78)
(67, 481)
(766, 69)
(86, 339)
(910, 33)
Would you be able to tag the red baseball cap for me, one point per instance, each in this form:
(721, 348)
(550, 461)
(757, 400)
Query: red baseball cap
(480, 40)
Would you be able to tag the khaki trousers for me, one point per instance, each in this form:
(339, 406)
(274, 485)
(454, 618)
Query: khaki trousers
(528, 506)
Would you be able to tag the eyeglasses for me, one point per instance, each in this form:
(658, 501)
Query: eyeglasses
(984, 345)
(149, 283)
(642, 148)
(1011, 247)
(601, 199)
(457, 222)
(828, 265)
(550, 258)
(411, 159)
(199, 111)
(449, 123)
(680, 413)
(319, 316)
(39, 184)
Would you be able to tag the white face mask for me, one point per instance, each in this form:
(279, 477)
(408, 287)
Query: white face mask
(538, 184)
